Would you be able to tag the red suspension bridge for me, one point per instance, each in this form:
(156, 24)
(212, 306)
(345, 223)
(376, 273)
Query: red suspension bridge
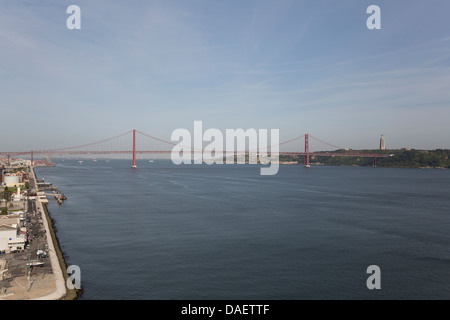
(127, 143)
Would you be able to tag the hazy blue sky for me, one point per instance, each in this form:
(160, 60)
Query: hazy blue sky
(300, 66)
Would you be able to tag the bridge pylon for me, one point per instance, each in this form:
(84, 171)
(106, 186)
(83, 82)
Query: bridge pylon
(307, 165)
(134, 149)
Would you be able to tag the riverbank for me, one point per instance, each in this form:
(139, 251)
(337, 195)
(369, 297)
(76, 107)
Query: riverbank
(355, 165)
(58, 262)
(423, 159)
(71, 294)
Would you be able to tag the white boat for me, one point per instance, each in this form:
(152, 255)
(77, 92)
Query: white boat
(80, 161)
(151, 161)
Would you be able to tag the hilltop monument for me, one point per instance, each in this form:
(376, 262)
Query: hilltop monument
(382, 144)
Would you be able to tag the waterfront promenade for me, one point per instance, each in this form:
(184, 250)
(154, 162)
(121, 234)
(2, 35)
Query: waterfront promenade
(43, 283)
(60, 291)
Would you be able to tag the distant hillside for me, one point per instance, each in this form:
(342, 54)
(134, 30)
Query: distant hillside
(400, 159)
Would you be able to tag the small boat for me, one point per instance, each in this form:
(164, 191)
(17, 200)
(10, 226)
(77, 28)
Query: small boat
(151, 161)
(80, 161)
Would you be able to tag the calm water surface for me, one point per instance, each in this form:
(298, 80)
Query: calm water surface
(225, 232)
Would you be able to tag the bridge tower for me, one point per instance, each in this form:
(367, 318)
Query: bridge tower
(134, 149)
(307, 150)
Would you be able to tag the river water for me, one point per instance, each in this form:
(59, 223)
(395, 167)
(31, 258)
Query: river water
(225, 232)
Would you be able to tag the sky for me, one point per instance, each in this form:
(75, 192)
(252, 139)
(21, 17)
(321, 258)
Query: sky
(155, 66)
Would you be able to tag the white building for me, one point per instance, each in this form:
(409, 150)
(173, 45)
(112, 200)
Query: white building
(10, 236)
(11, 180)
